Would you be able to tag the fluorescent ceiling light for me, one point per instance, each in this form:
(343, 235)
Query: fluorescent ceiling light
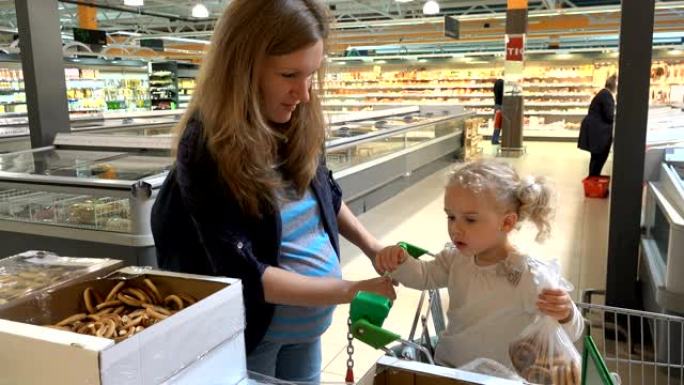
(126, 33)
(186, 40)
(431, 7)
(200, 11)
(134, 3)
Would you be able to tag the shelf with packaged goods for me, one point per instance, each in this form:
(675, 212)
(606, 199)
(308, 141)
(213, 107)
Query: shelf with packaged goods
(106, 89)
(412, 86)
(558, 85)
(543, 113)
(170, 84)
(437, 86)
(410, 79)
(446, 95)
(405, 95)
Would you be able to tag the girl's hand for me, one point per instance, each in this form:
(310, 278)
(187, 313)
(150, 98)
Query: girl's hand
(557, 304)
(389, 258)
(378, 285)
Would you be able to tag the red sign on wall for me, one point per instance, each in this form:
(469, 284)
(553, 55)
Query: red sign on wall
(515, 47)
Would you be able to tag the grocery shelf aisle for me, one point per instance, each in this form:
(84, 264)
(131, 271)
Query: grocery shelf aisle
(578, 240)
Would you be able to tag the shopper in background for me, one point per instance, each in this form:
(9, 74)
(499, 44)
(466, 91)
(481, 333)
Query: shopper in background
(493, 292)
(596, 131)
(498, 102)
(250, 196)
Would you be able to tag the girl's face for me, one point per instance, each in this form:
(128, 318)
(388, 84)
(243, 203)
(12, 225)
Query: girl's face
(474, 221)
(285, 81)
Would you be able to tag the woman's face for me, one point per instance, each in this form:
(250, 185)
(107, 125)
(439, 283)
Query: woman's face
(285, 81)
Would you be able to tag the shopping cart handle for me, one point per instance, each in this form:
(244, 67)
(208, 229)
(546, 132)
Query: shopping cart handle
(367, 313)
(372, 335)
(414, 251)
(369, 306)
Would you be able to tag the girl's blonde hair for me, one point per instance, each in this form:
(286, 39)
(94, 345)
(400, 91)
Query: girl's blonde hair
(530, 198)
(252, 156)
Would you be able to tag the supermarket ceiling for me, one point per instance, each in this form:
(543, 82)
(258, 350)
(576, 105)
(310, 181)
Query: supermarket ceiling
(359, 22)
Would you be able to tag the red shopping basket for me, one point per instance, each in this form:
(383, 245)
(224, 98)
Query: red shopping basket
(596, 186)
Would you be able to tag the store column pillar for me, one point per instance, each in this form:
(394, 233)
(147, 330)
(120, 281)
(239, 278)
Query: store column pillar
(513, 107)
(631, 119)
(40, 41)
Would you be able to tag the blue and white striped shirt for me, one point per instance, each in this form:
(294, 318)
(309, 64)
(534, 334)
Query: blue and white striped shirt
(305, 249)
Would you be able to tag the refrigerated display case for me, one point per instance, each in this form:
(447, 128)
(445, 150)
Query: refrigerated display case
(373, 154)
(14, 131)
(663, 240)
(373, 159)
(80, 202)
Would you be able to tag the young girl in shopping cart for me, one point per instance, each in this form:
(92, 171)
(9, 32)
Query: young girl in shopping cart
(492, 291)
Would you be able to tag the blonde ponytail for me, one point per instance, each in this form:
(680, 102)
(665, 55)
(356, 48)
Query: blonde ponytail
(535, 197)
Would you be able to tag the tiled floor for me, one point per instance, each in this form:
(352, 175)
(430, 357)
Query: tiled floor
(578, 241)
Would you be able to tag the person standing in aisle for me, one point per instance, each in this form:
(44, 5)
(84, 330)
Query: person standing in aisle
(596, 131)
(250, 196)
(498, 103)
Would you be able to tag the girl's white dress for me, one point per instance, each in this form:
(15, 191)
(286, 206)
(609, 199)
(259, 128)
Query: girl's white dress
(488, 306)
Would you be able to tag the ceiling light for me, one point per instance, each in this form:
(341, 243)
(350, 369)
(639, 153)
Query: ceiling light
(431, 7)
(186, 40)
(125, 33)
(134, 3)
(403, 1)
(200, 11)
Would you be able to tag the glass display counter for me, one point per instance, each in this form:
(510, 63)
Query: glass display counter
(80, 202)
(14, 131)
(370, 152)
(374, 159)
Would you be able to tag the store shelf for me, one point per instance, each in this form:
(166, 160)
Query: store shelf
(551, 113)
(88, 110)
(411, 86)
(557, 85)
(380, 95)
(489, 104)
(456, 96)
(398, 80)
(563, 95)
(540, 113)
(399, 103)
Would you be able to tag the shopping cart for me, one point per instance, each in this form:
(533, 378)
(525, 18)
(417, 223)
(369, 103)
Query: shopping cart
(642, 348)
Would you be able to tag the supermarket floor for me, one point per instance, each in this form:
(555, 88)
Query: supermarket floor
(579, 241)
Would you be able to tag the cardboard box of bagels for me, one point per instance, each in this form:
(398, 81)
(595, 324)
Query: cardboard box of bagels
(134, 326)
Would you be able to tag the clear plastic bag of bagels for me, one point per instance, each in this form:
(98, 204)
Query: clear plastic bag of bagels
(543, 353)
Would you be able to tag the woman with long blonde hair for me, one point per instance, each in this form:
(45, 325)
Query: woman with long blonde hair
(250, 196)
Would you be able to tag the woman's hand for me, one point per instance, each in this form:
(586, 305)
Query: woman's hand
(557, 304)
(389, 258)
(378, 285)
